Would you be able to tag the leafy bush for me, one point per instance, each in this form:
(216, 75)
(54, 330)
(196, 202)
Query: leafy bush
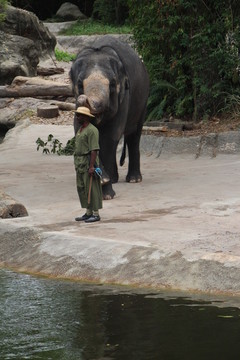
(191, 50)
(64, 56)
(54, 146)
(110, 11)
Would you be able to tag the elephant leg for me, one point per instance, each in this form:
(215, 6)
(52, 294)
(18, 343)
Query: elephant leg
(107, 154)
(107, 191)
(105, 176)
(133, 142)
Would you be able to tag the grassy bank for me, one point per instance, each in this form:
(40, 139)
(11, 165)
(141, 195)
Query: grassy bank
(91, 27)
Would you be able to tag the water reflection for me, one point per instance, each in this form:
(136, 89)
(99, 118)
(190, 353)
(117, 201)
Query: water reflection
(46, 319)
(3, 131)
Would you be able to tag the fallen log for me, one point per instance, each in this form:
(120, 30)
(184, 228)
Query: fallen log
(49, 71)
(62, 105)
(35, 87)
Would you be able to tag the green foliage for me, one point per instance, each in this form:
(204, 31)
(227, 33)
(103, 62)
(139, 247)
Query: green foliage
(191, 50)
(232, 105)
(157, 108)
(54, 146)
(92, 27)
(110, 11)
(69, 147)
(64, 56)
(3, 4)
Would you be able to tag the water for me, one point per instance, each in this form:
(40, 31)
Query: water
(2, 135)
(49, 319)
(3, 131)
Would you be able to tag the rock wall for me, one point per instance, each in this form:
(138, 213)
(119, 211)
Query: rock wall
(73, 44)
(23, 41)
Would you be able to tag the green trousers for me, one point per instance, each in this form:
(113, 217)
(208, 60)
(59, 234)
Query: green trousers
(83, 180)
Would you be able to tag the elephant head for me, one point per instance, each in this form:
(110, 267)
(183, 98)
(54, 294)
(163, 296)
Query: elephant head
(99, 82)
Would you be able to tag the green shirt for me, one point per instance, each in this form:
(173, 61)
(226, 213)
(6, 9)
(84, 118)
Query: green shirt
(86, 141)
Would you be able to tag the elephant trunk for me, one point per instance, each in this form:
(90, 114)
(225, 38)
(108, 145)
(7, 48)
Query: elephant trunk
(96, 105)
(82, 100)
(96, 92)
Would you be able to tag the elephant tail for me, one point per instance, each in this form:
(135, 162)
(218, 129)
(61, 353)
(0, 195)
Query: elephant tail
(122, 159)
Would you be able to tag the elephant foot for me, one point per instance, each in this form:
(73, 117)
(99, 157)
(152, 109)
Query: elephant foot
(108, 197)
(133, 178)
(108, 192)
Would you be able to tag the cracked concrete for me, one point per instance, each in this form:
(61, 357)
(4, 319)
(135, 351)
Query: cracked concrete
(178, 229)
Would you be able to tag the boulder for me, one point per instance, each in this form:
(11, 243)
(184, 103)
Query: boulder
(18, 56)
(26, 24)
(69, 11)
(12, 111)
(10, 208)
(74, 44)
(23, 41)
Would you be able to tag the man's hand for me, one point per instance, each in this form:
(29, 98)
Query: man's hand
(91, 171)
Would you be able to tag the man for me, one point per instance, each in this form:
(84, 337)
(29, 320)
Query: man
(85, 160)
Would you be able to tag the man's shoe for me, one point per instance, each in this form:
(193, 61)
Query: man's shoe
(83, 218)
(92, 219)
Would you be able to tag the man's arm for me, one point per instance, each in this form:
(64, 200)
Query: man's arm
(93, 156)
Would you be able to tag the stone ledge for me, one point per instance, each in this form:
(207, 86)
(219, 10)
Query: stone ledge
(30, 251)
(206, 145)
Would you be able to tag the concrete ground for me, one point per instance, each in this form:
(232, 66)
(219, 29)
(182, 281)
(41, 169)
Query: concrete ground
(178, 229)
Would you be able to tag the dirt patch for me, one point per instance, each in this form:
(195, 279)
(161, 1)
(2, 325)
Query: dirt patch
(214, 125)
(64, 118)
(187, 129)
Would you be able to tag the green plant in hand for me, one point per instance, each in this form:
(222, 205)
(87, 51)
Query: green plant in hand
(54, 146)
(69, 148)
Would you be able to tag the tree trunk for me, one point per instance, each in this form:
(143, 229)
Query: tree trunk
(62, 105)
(47, 111)
(34, 87)
(49, 71)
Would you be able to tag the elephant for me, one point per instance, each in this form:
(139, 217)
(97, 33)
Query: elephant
(111, 80)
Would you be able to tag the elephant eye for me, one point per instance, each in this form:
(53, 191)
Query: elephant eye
(112, 85)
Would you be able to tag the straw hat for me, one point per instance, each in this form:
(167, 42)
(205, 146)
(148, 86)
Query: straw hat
(84, 110)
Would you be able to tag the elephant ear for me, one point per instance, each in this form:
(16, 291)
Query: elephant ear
(118, 67)
(124, 84)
